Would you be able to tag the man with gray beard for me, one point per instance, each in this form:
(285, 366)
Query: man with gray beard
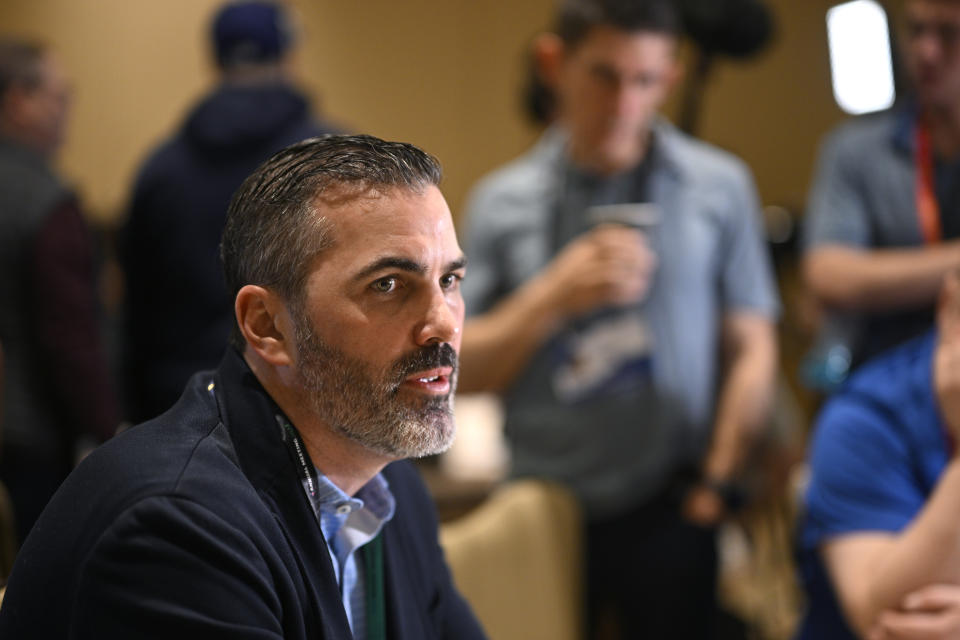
(272, 500)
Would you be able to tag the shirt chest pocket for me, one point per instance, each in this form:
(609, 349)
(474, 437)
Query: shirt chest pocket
(689, 246)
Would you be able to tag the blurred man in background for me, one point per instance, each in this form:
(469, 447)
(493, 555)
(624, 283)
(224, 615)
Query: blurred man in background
(169, 243)
(880, 536)
(56, 385)
(882, 226)
(601, 326)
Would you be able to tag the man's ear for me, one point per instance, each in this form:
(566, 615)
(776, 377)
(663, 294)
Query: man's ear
(266, 324)
(548, 52)
(14, 105)
(678, 73)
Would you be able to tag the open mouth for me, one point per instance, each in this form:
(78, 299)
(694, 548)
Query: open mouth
(433, 381)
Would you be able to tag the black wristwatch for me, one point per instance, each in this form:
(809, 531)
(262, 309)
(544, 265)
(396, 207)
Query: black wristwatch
(730, 493)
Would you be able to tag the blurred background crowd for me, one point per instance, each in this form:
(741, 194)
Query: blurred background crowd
(126, 126)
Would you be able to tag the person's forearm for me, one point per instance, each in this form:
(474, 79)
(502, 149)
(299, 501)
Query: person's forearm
(927, 551)
(745, 400)
(498, 344)
(879, 279)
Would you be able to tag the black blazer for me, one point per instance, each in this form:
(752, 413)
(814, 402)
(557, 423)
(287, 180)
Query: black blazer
(195, 525)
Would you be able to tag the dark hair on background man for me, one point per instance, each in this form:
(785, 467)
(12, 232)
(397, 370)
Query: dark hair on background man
(539, 101)
(274, 228)
(575, 18)
(19, 64)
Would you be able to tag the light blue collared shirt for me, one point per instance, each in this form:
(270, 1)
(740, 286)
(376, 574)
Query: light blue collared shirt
(711, 261)
(348, 524)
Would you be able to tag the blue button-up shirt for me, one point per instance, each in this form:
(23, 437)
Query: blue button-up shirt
(348, 524)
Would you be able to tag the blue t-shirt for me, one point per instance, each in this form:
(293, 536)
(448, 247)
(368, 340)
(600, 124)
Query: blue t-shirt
(877, 453)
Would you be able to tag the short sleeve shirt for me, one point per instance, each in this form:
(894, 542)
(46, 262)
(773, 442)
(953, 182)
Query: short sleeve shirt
(864, 196)
(616, 445)
(877, 453)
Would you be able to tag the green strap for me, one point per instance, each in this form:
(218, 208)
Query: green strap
(376, 603)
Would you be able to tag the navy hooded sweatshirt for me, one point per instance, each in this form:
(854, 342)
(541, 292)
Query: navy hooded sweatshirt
(177, 314)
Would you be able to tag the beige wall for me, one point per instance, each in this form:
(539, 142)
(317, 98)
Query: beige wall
(772, 111)
(441, 73)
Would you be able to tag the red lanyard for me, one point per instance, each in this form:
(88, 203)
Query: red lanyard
(928, 210)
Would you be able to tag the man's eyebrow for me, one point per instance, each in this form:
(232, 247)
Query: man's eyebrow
(404, 264)
(391, 262)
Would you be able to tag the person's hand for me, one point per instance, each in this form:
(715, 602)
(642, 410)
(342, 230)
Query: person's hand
(929, 613)
(703, 506)
(611, 265)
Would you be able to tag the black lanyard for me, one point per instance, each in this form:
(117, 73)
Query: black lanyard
(374, 597)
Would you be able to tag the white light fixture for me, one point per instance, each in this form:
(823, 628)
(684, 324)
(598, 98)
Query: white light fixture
(860, 61)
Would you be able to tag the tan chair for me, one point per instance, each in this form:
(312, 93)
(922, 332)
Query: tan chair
(517, 560)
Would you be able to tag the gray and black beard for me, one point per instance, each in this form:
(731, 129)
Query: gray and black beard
(369, 410)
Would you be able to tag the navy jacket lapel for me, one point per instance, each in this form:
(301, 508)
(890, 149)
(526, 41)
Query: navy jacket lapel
(250, 417)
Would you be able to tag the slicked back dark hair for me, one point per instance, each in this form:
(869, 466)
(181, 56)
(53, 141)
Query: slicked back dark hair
(575, 18)
(275, 226)
(19, 64)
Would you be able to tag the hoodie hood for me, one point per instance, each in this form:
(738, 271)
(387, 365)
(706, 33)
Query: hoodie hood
(235, 119)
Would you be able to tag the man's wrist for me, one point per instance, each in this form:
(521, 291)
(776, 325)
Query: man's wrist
(730, 493)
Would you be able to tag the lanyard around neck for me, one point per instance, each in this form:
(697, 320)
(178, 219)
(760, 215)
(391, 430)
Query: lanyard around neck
(374, 598)
(928, 210)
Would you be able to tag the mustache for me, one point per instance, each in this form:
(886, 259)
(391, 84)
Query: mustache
(429, 357)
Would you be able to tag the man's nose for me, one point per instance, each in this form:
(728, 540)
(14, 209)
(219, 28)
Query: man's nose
(625, 99)
(926, 45)
(442, 318)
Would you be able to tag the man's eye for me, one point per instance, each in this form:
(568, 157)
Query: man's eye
(385, 285)
(450, 280)
(644, 80)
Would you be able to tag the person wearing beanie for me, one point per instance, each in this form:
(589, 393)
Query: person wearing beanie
(168, 246)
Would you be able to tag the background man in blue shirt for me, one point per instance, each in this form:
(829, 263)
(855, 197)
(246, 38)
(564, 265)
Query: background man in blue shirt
(880, 537)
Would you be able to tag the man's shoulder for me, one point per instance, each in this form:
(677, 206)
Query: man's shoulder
(19, 164)
(895, 373)
(863, 135)
(185, 454)
(873, 125)
(876, 450)
(168, 157)
(700, 161)
(888, 399)
(163, 510)
(527, 178)
(186, 451)
(174, 473)
(28, 182)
